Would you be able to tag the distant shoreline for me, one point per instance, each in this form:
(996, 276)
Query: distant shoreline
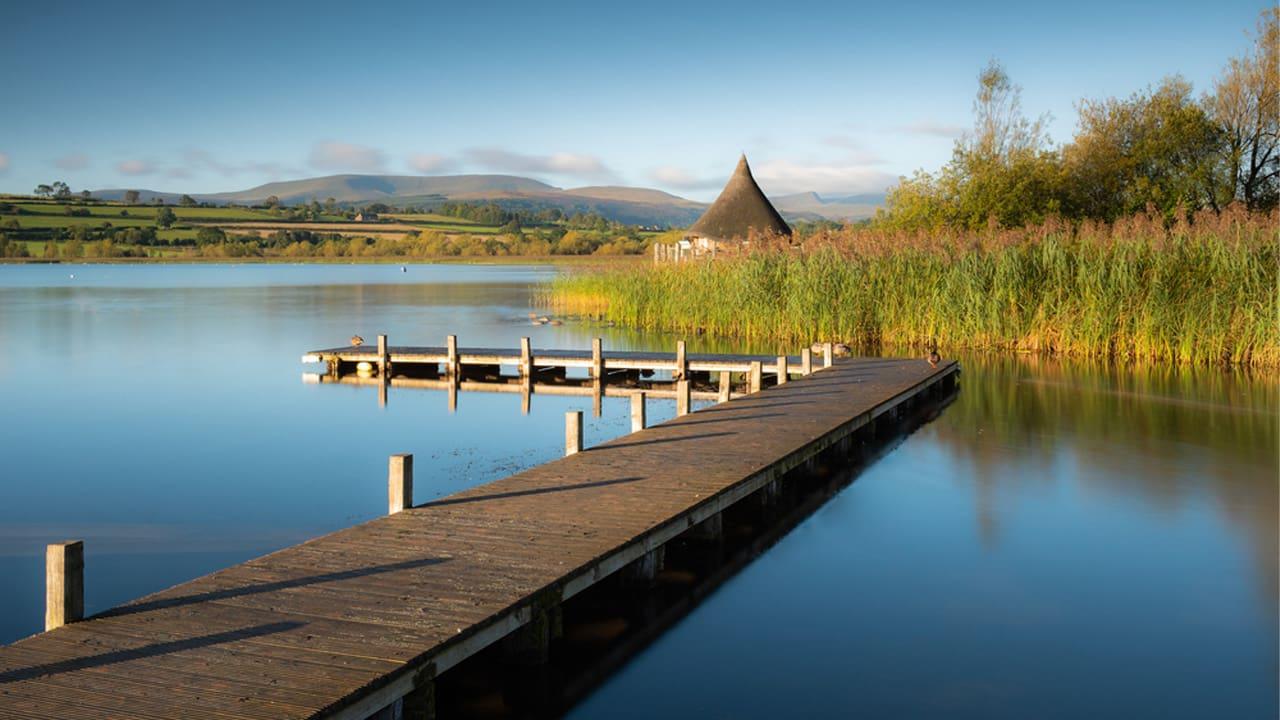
(574, 260)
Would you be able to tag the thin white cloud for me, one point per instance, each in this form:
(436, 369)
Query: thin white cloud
(571, 164)
(429, 164)
(782, 177)
(4, 163)
(934, 129)
(135, 167)
(672, 176)
(855, 153)
(195, 160)
(74, 161)
(348, 157)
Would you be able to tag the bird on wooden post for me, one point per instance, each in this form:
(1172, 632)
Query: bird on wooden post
(356, 341)
(934, 358)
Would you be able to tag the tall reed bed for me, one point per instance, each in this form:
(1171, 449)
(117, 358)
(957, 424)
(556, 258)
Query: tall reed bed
(1198, 290)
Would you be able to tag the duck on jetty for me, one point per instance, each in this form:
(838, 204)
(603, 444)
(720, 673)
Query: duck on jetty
(356, 341)
(837, 349)
(934, 358)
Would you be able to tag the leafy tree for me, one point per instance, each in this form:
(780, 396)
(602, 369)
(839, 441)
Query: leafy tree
(273, 201)
(43, 190)
(72, 248)
(166, 217)
(61, 190)
(1001, 171)
(210, 236)
(187, 201)
(1246, 106)
(85, 194)
(330, 206)
(131, 197)
(1156, 147)
(50, 250)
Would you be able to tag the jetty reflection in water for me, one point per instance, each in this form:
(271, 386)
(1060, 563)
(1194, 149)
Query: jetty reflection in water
(565, 385)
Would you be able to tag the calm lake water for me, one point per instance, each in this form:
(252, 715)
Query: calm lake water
(1065, 540)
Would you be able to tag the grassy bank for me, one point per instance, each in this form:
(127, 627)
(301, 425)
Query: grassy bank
(1203, 290)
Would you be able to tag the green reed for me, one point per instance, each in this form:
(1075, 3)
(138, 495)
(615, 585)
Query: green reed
(1192, 292)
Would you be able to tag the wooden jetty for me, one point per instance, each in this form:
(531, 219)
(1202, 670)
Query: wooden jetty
(452, 360)
(360, 623)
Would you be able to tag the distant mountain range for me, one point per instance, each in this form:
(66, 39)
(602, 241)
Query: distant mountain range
(639, 206)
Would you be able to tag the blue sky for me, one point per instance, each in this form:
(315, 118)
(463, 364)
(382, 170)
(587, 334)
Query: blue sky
(831, 97)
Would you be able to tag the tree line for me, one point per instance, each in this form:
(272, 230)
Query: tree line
(1161, 149)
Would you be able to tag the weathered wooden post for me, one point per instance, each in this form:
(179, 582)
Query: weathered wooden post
(755, 376)
(783, 372)
(399, 483)
(827, 353)
(384, 358)
(682, 362)
(526, 358)
(526, 394)
(709, 530)
(806, 361)
(638, 419)
(725, 386)
(597, 358)
(572, 432)
(451, 354)
(597, 397)
(63, 583)
(682, 398)
(452, 392)
(384, 370)
(420, 703)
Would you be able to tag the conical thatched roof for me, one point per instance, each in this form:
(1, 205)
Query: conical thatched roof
(740, 209)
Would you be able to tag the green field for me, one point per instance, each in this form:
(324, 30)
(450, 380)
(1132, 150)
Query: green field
(430, 219)
(146, 211)
(33, 222)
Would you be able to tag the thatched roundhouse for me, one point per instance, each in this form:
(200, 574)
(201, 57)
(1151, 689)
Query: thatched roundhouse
(740, 212)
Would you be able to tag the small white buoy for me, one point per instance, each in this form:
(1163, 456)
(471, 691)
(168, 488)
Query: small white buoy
(404, 269)
(73, 276)
(364, 367)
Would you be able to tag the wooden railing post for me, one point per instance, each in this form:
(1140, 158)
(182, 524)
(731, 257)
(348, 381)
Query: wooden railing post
(827, 352)
(572, 432)
(682, 398)
(597, 358)
(638, 419)
(754, 380)
(451, 354)
(526, 358)
(783, 372)
(682, 362)
(725, 386)
(384, 358)
(399, 483)
(806, 361)
(63, 583)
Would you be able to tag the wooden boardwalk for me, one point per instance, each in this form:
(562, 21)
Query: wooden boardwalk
(348, 623)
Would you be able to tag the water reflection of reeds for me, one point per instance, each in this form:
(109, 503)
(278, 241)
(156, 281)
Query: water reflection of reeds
(1167, 436)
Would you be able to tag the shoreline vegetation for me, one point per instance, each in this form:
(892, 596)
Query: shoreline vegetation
(1202, 290)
